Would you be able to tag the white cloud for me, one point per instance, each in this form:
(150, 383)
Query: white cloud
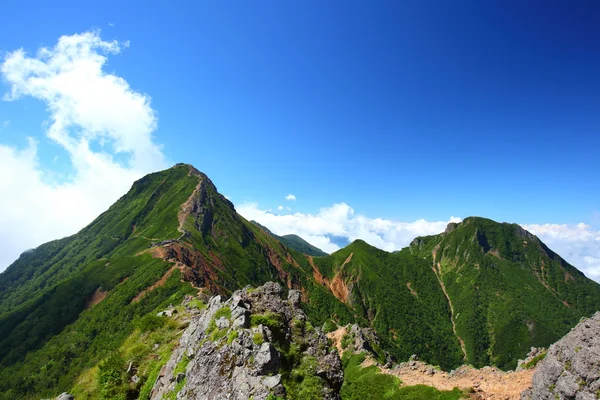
(290, 197)
(340, 220)
(86, 105)
(280, 208)
(578, 244)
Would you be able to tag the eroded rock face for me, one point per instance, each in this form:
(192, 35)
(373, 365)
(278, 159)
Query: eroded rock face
(571, 369)
(245, 347)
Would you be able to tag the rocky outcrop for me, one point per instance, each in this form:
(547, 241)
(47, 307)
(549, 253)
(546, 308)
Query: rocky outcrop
(251, 346)
(571, 368)
(534, 356)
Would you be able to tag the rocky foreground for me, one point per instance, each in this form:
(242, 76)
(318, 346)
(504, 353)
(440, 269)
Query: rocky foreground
(246, 347)
(571, 369)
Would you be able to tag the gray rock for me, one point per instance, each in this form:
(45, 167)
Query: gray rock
(570, 369)
(65, 396)
(294, 297)
(222, 323)
(266, 359)
(240, 322)
(272, 381)
(243, 362)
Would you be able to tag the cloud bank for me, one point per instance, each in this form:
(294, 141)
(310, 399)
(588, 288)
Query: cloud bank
(102, 124)
(579, 244)
(340, 220)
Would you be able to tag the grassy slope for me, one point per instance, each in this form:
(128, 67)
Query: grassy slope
(48, 337)
(407, 323)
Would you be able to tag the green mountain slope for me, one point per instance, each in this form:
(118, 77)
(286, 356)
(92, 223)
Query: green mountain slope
(68, 305)
(294, 242)
(508, 290)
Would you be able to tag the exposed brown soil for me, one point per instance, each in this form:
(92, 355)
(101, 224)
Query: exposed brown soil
(495, 253)
(486, 383)
(339, 288)
(336, 336)
(412, 291)
(158, 283)
(337, 285)
(568, 277)
(96, 298)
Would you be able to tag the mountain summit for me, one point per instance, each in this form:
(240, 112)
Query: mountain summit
(481, 292)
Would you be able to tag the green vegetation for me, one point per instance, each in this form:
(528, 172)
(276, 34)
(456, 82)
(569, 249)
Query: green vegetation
(270, 320)
(232, 336)
(367, 383)
(535, 360)
(294, 242)
(509, 291)
(257, 338)
(303, 382)
(224, 312)
(69, 305)
(405, 323)
(329, 326)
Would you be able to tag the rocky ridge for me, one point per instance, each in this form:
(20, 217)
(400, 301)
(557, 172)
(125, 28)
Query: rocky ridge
(571, 368)
(254, 345)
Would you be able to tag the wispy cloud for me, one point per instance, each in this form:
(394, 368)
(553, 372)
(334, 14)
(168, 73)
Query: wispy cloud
(290, 197)
(86, 105)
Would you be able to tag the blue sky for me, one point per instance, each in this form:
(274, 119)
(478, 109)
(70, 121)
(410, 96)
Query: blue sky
(400, 111)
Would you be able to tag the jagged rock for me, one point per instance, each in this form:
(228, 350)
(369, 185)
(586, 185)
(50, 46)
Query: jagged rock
(65, 396)
(229, 359)
(294, 297)
(571, 367)
(266, 359)
(222, 323)
(533, 353)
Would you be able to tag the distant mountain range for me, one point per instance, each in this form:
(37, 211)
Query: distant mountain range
(480, 293)
(294, 242)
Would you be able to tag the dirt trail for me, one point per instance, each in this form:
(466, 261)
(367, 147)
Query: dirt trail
(487, 383)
